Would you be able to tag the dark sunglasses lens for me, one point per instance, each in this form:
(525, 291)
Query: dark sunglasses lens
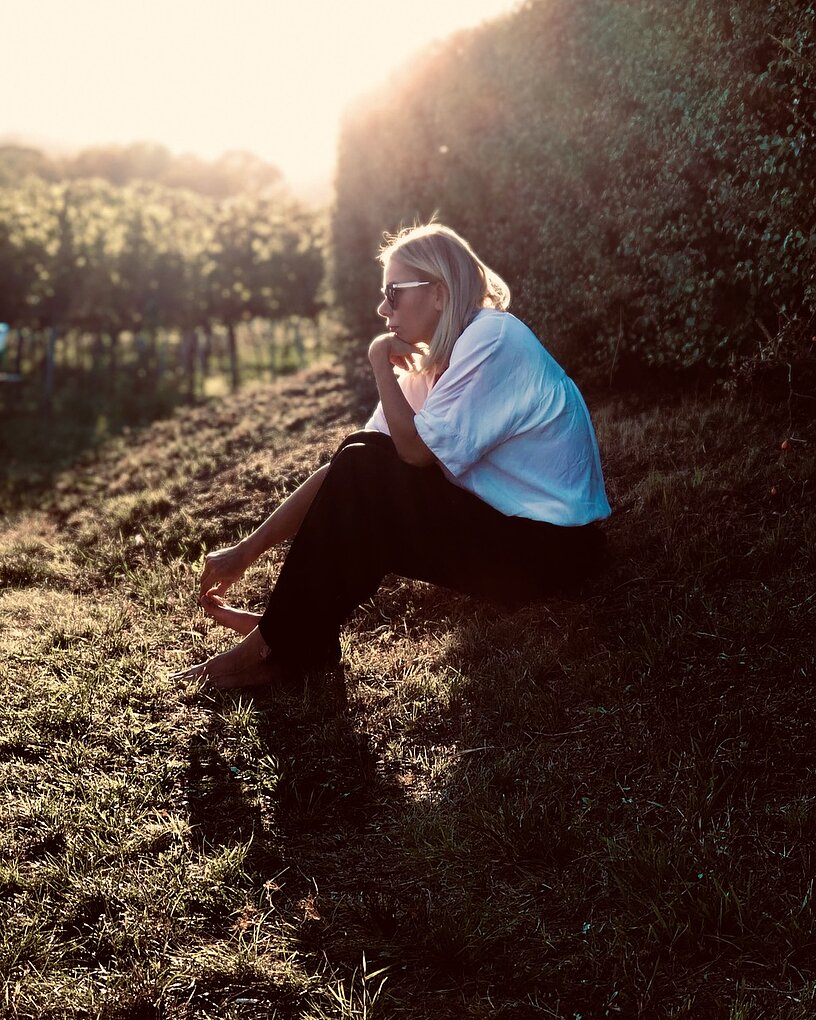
(391, 295)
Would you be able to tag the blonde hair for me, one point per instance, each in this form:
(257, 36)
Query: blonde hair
(438, 254)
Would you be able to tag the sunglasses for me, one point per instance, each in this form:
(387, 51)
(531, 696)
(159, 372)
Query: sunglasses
(391, 291)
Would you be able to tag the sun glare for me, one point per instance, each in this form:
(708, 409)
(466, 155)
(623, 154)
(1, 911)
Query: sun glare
(260, 75)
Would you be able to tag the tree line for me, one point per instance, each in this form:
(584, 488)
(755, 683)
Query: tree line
(103, 261)
(232, 173)
(641, 172)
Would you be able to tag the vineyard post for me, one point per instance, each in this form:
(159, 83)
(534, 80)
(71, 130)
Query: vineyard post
(233, 356)
(49, 370)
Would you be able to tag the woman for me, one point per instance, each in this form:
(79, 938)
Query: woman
(479, 470)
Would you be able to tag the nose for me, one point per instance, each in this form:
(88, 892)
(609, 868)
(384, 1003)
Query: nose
(384, 309)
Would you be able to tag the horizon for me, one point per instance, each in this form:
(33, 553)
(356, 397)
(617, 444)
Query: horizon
(317, 189)
(271, 79)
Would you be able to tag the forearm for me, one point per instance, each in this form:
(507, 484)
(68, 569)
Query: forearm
(286, 520)
(400, 415)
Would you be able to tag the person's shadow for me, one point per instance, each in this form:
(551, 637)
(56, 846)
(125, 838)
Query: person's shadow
(307, 762)
(295, 808)
(355, 860)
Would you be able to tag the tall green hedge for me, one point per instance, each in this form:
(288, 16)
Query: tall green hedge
(640, 172)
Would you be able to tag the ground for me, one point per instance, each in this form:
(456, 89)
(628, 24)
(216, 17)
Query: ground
(596, 807)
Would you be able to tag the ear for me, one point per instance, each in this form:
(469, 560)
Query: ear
(440, 293)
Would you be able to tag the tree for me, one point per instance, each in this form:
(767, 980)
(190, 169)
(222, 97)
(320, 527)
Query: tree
(641, 172)
(264, 261)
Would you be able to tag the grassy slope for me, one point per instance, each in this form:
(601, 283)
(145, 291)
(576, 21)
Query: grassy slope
(598, 808)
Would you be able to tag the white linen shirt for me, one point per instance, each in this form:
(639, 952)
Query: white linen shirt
(508, 424)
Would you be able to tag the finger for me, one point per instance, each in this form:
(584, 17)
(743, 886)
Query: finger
(212, 596)
(207, 585)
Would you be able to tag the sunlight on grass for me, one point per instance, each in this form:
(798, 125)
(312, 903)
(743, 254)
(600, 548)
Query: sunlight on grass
(598, 805)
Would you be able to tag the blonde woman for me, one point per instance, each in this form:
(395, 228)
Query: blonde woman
(479, 470)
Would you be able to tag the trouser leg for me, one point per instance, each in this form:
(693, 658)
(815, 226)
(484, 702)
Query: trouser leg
(375, 515)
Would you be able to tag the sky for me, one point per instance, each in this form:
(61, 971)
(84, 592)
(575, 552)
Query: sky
(208, 76)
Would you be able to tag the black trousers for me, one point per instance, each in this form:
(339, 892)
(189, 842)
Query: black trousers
(375, 515)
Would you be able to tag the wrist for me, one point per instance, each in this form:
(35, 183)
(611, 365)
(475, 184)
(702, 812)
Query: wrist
(246, 551)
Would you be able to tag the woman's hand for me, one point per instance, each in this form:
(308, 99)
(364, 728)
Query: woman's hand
(221, 569)
(388, 348)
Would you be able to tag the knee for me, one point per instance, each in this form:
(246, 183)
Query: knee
(363, 448)
(367, 439)
(364, 465)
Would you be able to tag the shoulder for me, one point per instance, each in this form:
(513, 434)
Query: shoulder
(502, 337)
(495, 323)
(487, 329)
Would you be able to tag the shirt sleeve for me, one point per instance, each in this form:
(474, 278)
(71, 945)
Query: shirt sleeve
(377, 422)
(478, 402)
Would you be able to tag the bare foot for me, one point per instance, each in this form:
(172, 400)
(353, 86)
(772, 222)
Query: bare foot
(243, 665)
(240, 620)
(261, 675)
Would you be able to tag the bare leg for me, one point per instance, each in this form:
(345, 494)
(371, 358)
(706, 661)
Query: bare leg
(243, 665)
(240, 620)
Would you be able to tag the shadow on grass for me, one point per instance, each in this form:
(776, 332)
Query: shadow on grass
(615, 828)
(576, 841)
(302, 800)
(599, 806)
(308, 768)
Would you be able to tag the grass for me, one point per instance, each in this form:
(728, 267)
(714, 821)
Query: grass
(600, 807)
(98, 396)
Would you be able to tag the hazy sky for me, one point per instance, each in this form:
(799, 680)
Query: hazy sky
(204, 77)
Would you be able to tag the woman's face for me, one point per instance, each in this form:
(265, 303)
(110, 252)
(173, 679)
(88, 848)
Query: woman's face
(418, 309)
